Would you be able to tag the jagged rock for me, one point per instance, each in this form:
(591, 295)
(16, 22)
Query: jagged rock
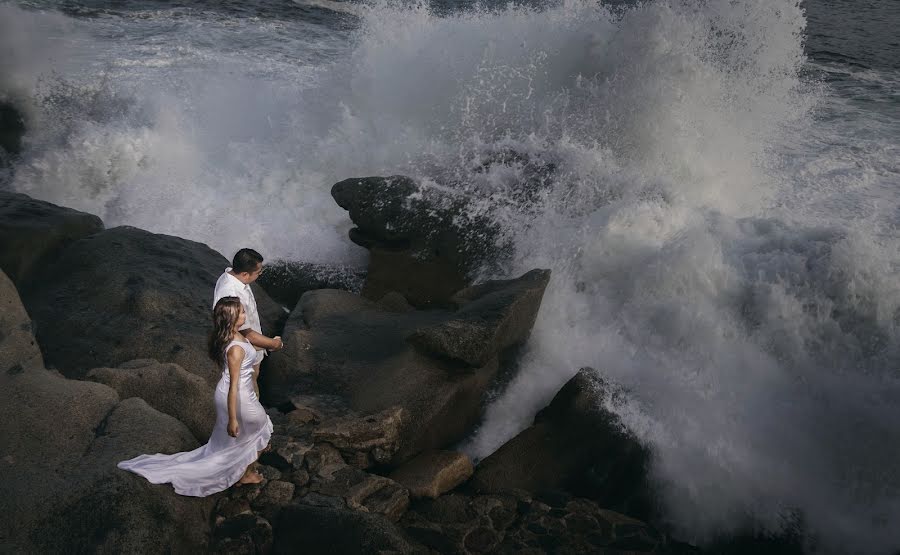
(244, 533)
(363, 491)
(392, 500)
(338, 532)
(35, 233)
(341, 344)
(154, 382)
(300, 477)
(422, 241)
(324, 460)
(140, 295)
(433, 473)
(273, 496)
(366, 440)
(286, 281)
(286, 452)
(609, 464)
(493, 317)
(269, 472)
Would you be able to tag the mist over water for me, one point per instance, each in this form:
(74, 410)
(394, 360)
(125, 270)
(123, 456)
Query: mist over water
(720, 222)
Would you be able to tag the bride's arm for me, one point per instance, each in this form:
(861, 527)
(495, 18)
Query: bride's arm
(235, 357)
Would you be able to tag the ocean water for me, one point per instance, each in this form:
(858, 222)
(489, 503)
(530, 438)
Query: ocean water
(722, 220)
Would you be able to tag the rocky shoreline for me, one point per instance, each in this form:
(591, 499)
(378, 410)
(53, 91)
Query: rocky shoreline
(102, 336)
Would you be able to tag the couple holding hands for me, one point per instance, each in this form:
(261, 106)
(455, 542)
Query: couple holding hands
(243, 429)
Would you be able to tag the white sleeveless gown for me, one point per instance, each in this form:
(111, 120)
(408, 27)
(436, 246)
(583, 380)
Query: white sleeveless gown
(220, 463)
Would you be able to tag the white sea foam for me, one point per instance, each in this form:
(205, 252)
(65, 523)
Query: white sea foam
(715, 248)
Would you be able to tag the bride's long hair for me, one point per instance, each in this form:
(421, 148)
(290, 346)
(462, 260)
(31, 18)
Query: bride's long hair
(225, 316)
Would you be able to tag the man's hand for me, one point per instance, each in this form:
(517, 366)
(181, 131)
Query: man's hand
(233, 428)
(278, 344)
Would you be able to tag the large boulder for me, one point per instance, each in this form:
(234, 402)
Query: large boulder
(286, 281)
(155, 383)
(126, 294)
(422, 240)
(36, 232)
(342, 344)
(59, 488)
(577, 445)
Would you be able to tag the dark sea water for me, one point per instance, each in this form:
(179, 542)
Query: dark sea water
(722, 224)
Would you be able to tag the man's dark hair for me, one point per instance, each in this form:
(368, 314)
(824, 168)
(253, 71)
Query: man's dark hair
(246, 260)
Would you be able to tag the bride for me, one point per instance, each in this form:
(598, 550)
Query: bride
(242, 429)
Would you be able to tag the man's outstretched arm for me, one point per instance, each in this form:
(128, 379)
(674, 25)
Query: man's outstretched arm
(261, 341)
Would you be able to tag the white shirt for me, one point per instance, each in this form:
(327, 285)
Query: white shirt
(229, 286)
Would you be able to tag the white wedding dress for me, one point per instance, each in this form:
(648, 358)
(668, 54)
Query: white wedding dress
(220, 463)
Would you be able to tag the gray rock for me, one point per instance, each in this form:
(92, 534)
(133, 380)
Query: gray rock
(363, 491)
(275, 494)
(366, 440)
(575, 445)
(493, 317)
(323, 460)
(36, 232)
(286, 281)
(133, 294)
(433, 473)
(286, 453)
(423, 243)
(155, 383)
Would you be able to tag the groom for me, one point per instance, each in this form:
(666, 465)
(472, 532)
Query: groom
(235, 282)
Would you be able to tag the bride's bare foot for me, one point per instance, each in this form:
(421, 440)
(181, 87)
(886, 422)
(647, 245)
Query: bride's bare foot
(250, 477)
